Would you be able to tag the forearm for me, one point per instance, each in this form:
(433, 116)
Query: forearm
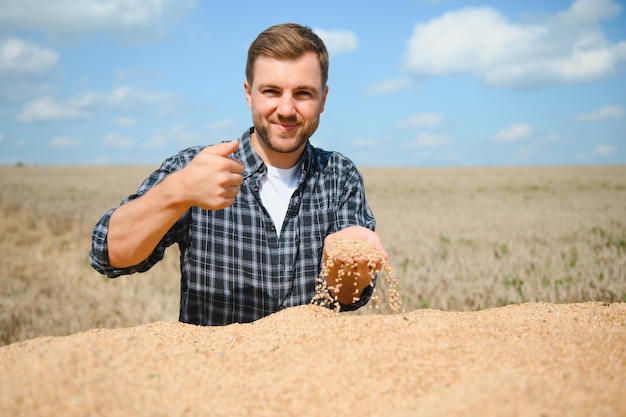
(137, 227)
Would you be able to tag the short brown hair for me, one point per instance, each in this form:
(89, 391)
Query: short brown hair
(287, 41)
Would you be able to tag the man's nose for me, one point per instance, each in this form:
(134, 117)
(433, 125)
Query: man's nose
(286, 106)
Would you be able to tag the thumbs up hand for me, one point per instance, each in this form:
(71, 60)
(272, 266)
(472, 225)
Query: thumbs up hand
(211, 180)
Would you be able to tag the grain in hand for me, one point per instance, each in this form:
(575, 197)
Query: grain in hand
(355, 248)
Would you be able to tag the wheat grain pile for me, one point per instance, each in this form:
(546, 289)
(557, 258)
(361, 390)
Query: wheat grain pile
(459, 240)
(519, 360)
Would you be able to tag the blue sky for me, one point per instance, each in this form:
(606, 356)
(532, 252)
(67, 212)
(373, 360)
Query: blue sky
(412, 83)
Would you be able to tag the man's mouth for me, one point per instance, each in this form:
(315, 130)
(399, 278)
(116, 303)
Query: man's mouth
(286, 127)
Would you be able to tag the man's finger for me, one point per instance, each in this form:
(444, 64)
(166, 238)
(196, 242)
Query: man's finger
(223, 149)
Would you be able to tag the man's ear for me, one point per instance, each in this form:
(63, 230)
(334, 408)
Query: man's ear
(324, 99)
(247, 87)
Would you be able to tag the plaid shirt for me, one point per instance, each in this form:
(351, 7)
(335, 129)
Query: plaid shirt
(234, 266)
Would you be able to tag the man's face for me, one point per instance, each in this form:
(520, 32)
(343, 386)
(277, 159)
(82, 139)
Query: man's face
(286, 98)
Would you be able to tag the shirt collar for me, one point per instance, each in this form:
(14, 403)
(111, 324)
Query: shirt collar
(252, 162)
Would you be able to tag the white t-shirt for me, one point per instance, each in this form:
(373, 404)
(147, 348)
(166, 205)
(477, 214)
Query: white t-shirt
(276, 188)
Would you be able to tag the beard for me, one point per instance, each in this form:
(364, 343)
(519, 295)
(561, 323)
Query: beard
(284, 142)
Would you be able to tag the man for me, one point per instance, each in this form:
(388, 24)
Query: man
(252, 216)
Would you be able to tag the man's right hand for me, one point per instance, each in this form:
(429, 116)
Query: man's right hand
(211, 180)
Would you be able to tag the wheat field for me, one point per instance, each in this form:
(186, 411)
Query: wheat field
(459, 239)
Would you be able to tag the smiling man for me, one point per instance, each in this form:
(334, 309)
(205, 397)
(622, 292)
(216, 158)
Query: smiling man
(252, 217)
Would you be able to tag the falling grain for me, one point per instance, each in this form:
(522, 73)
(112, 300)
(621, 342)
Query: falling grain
(355, 248)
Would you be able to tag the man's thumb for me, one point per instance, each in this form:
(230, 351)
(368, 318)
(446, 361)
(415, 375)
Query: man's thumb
(224, 149)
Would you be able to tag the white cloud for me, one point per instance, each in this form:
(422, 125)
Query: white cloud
(125, 121)
(65, 142)
(514, 133)
(116, 17)
(48, 109)
(361, 142)
(180, 134)
(338, 41)
(605, 150)
(428, 140)
(84, 105)
(126, 97)
(18, 89)
(556, 138)
(388, 87)
(590, 11)
(420, 121)
(18, 56)
(564, 48)
(603, 113)
(116, 140)
(221, 125)
(20, 144)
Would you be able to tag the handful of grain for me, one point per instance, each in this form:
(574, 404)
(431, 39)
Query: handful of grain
(354, 248)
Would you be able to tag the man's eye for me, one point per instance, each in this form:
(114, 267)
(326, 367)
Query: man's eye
(270, 92)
